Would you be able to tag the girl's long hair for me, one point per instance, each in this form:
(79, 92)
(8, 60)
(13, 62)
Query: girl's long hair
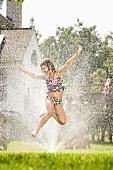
(48, 63)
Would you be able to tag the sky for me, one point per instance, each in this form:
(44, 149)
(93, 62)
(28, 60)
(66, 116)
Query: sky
(48, 14)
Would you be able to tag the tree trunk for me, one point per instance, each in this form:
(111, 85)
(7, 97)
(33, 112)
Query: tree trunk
(103, 136)
(110, 136)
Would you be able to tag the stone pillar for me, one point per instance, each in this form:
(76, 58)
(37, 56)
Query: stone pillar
(14, 12)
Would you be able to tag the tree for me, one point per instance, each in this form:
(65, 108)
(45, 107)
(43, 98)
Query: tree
(64, 44)
(32, 25)
(89, 71)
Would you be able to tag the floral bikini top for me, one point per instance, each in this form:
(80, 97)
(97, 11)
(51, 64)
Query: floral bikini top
(55, 85)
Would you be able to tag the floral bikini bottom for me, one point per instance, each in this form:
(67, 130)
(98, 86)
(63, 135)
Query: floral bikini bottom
(55, 101)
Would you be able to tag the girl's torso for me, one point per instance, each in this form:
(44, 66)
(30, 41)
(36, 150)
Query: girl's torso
(55, 86)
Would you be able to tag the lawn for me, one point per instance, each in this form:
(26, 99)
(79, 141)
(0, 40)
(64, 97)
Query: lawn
(99, 157)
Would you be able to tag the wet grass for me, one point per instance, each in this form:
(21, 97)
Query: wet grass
(99, 157)
(17, 146)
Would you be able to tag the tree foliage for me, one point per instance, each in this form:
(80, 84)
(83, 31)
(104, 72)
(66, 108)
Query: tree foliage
(32, 25)
(64, 44)
(89, 71)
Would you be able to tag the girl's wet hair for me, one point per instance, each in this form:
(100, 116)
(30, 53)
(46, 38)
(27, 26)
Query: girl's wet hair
(48, 63)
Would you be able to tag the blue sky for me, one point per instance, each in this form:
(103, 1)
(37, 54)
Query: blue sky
(49, 14)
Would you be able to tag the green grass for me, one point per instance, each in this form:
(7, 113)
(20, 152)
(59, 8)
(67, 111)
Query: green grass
(99, 157)
(17, 146)
(58, 161)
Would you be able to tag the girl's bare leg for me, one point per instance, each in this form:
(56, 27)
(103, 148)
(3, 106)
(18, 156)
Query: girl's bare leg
(56, 111)
(43, 114)
(46, 117)
(60, 113)
(41, 123)
(34, 133)
(54, 116)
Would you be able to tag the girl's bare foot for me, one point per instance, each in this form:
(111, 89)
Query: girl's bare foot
(33, 133)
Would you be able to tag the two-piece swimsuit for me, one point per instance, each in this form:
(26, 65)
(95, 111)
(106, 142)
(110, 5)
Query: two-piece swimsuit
(55, 85)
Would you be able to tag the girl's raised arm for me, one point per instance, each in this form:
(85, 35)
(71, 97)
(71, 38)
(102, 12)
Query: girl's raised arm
(70, 61)
(33, 75)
